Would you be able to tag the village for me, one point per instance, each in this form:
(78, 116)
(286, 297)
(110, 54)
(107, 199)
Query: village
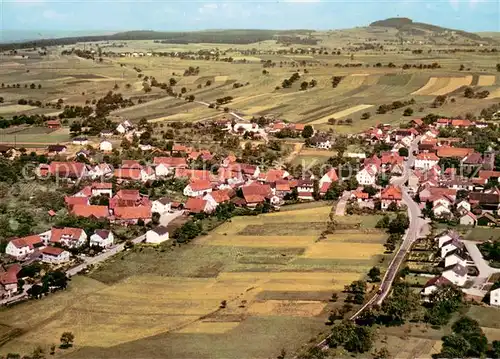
(453, 185)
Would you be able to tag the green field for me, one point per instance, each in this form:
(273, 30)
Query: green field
(34, 135)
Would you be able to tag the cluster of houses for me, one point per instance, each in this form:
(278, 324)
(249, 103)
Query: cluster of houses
(451, 193)
(456, 260)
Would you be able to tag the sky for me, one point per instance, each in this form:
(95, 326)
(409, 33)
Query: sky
(48, 17)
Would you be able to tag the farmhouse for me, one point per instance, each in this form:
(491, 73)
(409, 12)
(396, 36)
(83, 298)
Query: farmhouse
(80, 141)
(56, 149)
(53, 124)
(305, 188)
(367, 176)
(425, 161)
(389, 196)
(433, 284)
(198, 205)
(132, 215)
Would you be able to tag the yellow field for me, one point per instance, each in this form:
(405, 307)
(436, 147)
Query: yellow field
(486, 80)
(453, 84)
(341, 114)
(262, 241)
(297, 308)
(491, 333)
(208, 327)
(221, 78)
(344, 250)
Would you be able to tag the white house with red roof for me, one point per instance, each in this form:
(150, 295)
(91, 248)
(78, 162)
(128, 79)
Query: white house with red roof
(21, 247)
(426, 161)
(165, 165)
(197, 187)
(368, 175)
(54, 255)
(327, 179)
(68, 237)
(391, 194)
(457, 274)
(162, 205)
(8, 279)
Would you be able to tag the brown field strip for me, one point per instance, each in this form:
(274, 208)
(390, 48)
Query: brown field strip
(262, 241)
(453, 84)
(287, 308)
(422, 91)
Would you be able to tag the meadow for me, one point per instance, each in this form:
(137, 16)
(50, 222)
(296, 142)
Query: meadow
(272, 270)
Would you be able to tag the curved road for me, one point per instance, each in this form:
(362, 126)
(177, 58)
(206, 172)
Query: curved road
(415, 230)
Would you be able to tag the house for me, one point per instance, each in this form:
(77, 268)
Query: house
(90, 211)
(197, 187)
(468, 219)
(198, 205)
(440, 210)
(54, 255)
(451, 245)
(305, 189)
(193, 174)
(101, 189)
(101, 170)
(256, 193)
(124, 127)
(102, 238)
(453, 152)
(367, 176)
(132, 215)
(162, 205)
(53, 124)
(164, 164)
(76, 200)
(242, 127)
(463, 205)
(495, 297)
(472, 161)
(129, 198)
(426, 161)
(80, 141)
(68, 237)
(486, 220)
(456, 274)
(56, 149)
(321, 141)
(459, 256)
(461, 123)
(21, 247)
(446, 237)
(106, 146)
(215, 198)
(390, 195)
(328, 178)
(486, 201)
(106, 133)
(157, 235)
(433, 284)
(8, 280)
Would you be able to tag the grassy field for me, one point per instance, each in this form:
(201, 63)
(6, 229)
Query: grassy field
(271, 269)
(482, 234)
(34, 135)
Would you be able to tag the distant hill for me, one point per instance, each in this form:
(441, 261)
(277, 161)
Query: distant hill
(408, 27)
(240, 36)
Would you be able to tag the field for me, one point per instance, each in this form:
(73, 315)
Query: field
(272, 271)
(34, 136)
(360, 90)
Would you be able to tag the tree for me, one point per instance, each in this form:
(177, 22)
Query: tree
(403, 152)
(408, 112)
(67, 339)
(332, 121)
(469, 92)
(365, 115)
(172, 82)
(308, 131)
(383, 222)
(304, 85)
(400, 306)
(382, 353)
(20, 284)
(399, 224)
(374, 274)
(495, 347)
(183, 90)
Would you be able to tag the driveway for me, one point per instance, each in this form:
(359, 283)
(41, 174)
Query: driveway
(341, 204)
